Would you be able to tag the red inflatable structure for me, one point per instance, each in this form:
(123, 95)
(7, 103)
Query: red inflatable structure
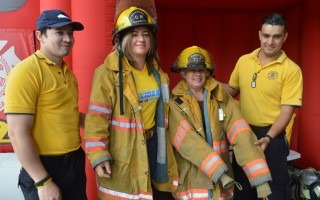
(227, 29)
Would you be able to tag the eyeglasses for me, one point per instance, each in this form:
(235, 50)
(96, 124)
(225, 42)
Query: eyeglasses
(254, 83)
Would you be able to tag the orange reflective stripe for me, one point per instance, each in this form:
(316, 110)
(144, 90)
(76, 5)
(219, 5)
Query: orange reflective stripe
(126, 125)
(220, 146)
(258, 172)
(111, 194)
(256, 167)
(96, 144)
(237, 127)
(100, 109)
(166, 120)
(210, 163)
(175, 184)
(181, 133)
(192, 194)
(228, 194)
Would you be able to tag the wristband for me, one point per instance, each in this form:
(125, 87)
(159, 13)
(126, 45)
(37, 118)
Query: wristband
(269, 137)
(43, 182)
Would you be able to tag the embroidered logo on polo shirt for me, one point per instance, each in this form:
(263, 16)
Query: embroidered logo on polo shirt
(273, 75)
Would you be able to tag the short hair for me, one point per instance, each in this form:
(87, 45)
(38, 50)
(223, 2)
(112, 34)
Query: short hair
(275, 19)
(43, 30)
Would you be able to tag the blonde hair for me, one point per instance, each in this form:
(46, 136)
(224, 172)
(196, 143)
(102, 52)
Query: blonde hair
(152, 53)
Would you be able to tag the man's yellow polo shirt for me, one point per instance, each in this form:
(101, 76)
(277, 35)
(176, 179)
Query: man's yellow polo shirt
(40, 87)
(278, 83)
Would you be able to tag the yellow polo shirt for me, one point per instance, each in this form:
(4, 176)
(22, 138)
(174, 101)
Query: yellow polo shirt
(278, 83)
(40, 87)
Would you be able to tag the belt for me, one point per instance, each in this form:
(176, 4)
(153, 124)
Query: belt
(60, 158)
(149, 133)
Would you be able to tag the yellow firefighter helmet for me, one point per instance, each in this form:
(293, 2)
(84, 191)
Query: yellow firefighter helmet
(130, 18)
(194, 58)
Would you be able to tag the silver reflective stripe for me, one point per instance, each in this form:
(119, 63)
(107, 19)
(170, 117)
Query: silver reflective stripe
(165, 92)
(161, 156)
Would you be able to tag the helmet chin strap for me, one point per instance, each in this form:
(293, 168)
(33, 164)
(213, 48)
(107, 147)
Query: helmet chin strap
(119, 48)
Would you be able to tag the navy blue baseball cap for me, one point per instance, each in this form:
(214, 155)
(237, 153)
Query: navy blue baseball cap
(55, 19)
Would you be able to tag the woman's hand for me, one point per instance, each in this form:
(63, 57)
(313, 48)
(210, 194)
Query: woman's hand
(103, 169)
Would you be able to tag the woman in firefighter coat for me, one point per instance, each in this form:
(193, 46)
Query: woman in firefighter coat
(204, 121)
(125, 128)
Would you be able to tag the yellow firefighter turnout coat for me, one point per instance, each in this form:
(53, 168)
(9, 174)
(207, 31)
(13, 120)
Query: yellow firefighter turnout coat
(200, 165)
(119, 138)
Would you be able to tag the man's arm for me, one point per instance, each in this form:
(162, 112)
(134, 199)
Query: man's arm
(19, 127)
(232, 91)
(279, 125)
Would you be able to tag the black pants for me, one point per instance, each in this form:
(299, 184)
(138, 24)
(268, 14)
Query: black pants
(159, 195)
(276, 157)
(67, 171)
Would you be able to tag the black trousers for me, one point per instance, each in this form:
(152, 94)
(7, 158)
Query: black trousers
(276, 157)
(159, 195)
(67, 171)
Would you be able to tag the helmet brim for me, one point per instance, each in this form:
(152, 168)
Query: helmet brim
(152, 27)
(201, 67)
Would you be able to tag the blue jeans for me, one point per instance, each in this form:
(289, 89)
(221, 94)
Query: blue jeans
(67, 171)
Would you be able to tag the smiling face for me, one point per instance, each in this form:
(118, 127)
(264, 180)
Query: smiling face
(140, 42)
(56, 43)
(195, 79)
(272, 38)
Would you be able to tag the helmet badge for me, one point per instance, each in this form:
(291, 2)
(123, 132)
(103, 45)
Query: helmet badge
(196, 58)
(138, 17)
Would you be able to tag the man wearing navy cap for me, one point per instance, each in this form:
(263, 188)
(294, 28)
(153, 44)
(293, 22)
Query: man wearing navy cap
(41, 104)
